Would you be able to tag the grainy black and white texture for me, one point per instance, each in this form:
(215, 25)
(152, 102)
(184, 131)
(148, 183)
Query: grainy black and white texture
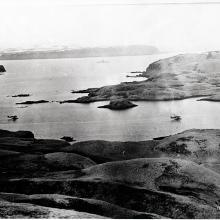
(109, 109)
(175, 177)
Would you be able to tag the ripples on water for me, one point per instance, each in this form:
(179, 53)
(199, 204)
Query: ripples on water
(53, 80)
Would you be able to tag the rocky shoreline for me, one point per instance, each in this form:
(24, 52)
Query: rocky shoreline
(174, 78)
(173, 177)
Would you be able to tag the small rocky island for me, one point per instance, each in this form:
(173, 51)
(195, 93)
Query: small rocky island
(174, 177)
(119, 104)
(32, 102)
(174, 78)
(21, 95)
(2, 69)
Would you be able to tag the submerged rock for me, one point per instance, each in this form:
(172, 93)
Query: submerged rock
(119, 104)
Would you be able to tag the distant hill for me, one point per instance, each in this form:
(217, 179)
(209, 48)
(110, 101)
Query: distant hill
(133, 50)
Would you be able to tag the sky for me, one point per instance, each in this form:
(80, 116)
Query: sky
(183, 26)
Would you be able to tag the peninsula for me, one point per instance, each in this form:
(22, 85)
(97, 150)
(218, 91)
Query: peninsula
(174, 78)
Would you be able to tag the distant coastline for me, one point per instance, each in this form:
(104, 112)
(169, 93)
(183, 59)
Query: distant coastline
(132, 50)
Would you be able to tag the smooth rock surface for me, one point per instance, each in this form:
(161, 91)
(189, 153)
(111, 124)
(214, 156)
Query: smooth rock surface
(173, 177)
(32, 102)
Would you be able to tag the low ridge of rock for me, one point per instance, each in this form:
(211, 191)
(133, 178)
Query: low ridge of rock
(32, 102)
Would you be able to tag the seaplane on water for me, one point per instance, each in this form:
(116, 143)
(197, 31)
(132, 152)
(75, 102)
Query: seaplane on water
(102, 61)
(13, 117)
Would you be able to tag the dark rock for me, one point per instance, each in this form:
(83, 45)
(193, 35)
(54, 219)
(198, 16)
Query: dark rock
(83, 99)
(21, 95)
(137, 72)
(47, 146)
(5, 153)
(93, 206)
(174, 177)
(104, 151)
(67, 138)
(119, 104)
(2, 68)
(85, 90)
(32, 102)
(159, 138)
(134, 76)
(26, 210)
(25, 143)
(169, 188)
(67, 161)
(16, 164)
(17, 134)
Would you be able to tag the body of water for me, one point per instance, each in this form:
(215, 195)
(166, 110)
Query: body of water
(53, 80)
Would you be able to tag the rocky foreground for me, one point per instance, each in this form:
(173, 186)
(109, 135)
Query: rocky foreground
(179, 77)
(175, 177)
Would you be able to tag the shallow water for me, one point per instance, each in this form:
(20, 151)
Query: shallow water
(54, 79)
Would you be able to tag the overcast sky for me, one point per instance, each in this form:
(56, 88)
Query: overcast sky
(45, 23)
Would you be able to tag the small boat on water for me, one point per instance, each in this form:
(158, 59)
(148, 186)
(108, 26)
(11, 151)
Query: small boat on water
(176, 117)
(102, 61)
(13, 117)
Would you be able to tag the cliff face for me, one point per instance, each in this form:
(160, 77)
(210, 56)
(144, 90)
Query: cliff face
(2, 68)
(178, 77)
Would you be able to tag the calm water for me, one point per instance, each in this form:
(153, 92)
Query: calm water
(54, 79)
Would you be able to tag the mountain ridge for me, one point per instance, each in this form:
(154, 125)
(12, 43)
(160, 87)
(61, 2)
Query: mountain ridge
(132, 50)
